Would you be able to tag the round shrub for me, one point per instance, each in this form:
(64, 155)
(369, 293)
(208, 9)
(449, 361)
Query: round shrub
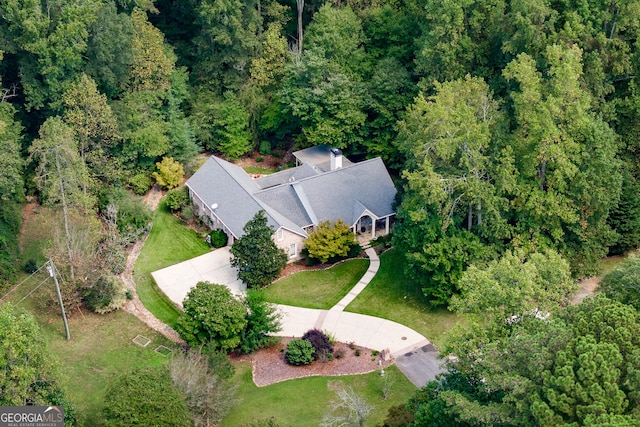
(264, 148)
(31, 266)
(320, 342)
(177, 198)
(140, 183)
(108, 294)
(300, 352)
(218, 238)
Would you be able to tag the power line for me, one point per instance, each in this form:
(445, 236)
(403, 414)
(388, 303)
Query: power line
(32, 291)
(18, 285)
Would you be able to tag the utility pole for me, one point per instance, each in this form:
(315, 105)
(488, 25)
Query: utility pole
(52, 272)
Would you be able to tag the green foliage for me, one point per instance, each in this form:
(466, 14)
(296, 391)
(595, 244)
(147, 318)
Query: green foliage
(140, 183)
(169, 174)
(264, 148)
(106, 295)
(571, 369)
(145, 396)
(258, 260)
(228, 128)
(11, 164)
(625, 218)
(516, 285)
(263, 321)
(434, 259)
(132, 214)
(330, 241)
(218, 238)
(10, 223)
(29, 376)
(177, 198)
(320, 342)
(300, 352)
(212, 314)
(623, 282)
(218, 361)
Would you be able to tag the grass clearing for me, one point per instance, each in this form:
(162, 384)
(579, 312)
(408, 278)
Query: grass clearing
(100, 349)
(391, 295)
(321, 289)
(304, 401)
(259, 170)
(170, 241)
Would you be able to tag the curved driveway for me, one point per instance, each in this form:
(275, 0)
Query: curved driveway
(415, 355)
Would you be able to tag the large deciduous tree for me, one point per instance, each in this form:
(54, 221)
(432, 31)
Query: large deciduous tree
(145, 396)
(329, 241)
(623, 282)
(568, 178)
(580, 367)
(29, 375)
(517, 285)
(212, 314)
(61, 174)
(258, 260)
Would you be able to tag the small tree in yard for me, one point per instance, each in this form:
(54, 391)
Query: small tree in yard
(170, 173)
(258, 260)
(349, 409)
(212, 313)
(329, 241)
(262, 320)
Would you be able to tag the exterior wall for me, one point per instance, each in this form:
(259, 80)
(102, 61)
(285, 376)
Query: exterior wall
(289, 238)
(204, 212)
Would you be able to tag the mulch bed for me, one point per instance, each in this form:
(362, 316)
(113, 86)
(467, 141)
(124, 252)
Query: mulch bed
(270, 366)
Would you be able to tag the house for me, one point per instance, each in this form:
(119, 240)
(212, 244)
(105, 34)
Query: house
(324, 185)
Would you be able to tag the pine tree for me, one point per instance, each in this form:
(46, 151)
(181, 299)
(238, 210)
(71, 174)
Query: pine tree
(255, 255)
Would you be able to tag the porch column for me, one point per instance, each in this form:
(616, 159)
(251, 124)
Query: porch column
(373, 227)
(386, 226)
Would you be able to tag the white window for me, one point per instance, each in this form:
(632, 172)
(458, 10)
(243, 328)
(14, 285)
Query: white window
(292, 250)
(280, 234)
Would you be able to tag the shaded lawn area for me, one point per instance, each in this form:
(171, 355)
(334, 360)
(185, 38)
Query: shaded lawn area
(391, 295)
(304, 401)
(321, 289)
(100, 349)
(170, 242)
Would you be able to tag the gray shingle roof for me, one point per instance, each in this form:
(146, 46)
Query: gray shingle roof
(296, 197)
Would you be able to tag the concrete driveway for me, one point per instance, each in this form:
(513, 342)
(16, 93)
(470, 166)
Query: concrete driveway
(176, 280)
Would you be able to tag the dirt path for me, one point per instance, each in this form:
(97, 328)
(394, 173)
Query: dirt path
(587, 288)
(135, 306)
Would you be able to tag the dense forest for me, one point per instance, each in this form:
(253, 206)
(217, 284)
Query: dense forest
(510, 124)
(512, 128)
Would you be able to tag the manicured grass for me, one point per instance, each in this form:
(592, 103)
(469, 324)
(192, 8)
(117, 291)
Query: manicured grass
(320, 289)
(391, 295)
(259, 170)
(303, 402)
(169, 242)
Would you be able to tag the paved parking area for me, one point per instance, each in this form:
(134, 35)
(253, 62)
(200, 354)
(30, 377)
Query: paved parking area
(176, 280)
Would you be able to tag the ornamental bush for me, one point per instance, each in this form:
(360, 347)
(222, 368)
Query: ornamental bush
(218, 238)
(106, 295)
(320, 342)
(300, 352)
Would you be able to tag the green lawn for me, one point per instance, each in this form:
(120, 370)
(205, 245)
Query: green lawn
(320, 289)
(169, 242)
(391, 295)
(303, 402)
(100, 348)
(259, 170)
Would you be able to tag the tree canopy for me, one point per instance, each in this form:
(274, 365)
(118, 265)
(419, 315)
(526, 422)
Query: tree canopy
(255, 254)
